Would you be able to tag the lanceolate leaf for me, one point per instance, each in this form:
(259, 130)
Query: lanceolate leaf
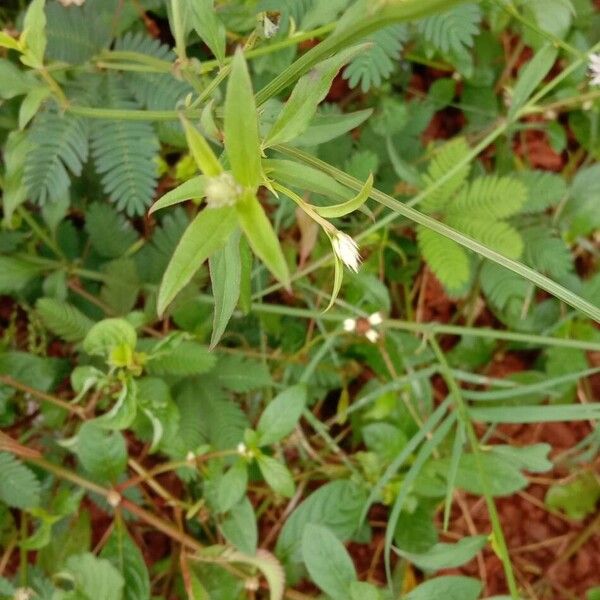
(205, 158)
(241, 125)
(193, 188)
(207, 233)
(225, 274)
(209, 27)
(340, 210)
(281, 415)
(310, 90)
(262, 237)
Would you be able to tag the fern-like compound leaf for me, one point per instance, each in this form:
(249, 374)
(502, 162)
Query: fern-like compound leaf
(60, 146)
(63, 319)
(19, 487)
(446, 159)
(125, 153)
(103, 218)
(447, 259)
(454, 30)
(492, 197)
(375, 64)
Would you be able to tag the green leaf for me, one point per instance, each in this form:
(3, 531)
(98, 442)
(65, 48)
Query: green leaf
(361, 590)
(241, 125)
(225, 274)
(123, 412)
(262, 237)
(327, 561)
(447, 259)
(281, 415)
(205, 158)
(239, 527)
(329, 126)
(446, 556)
(94, 578)
(191, 189)
(310, 90)
(103, 454)
(122, 552)
(209, 27)
(577, 498)
(31, 104)
(34, 34)
(530, 76)
(232, 486)
(39, 372)
(276, 475)
(19, 487)
(15, 274)
(340, 210)
(6, 41)
(240, 374)
(186, 358)
(336, 505)
(108, 334)
(63, 319)
(14, 154)
(447, 588)
(206, 234)
(102, 217)
(6, 588)
(14, 81)
(122, 285)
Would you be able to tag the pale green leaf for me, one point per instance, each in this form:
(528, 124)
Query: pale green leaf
(340, 210)
(190, 189)
(447, 588)
(94, 578)
(310, 90)
(225, 274)
(206, 234)
(241, 125)
(205, 158)
(109, 334)
(262, 237)
(209, 27)
(34, 34)
(63, 319)
(239, 527)
(19, 487)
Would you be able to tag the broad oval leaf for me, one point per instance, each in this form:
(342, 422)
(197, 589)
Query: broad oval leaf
(277, 475)
(327, 561)
(281, 415)
(108, 334)
(447, 588)
(207, 233)
(241, 125)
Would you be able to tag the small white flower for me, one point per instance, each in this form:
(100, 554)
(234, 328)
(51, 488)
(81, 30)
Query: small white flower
(594, 67)
(242, 449)
(347, 250)
(372, 335)
(349, 325)
(72, 2)
(376, 319)
(222, 190)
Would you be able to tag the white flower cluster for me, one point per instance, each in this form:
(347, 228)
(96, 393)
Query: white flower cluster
(222, 190)
(365, 326)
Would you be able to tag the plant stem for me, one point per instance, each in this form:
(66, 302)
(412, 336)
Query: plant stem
(455, 391)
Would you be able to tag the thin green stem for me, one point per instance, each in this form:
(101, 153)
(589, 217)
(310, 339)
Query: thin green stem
(461, 406)
(39, 232)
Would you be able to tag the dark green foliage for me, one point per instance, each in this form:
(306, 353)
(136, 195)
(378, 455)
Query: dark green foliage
(124, 153)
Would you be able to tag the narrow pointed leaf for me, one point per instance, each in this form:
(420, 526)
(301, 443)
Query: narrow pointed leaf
(310, 90)
(207, 233)
(262, 237)
(241, 125)
(209, 27)
(225, 274)
(339, 210)
(205, 158)
(193, 188)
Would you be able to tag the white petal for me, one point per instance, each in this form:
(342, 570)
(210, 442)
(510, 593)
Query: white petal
(350, 325)
(347, 250)
(376, 319)
(372, 335)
